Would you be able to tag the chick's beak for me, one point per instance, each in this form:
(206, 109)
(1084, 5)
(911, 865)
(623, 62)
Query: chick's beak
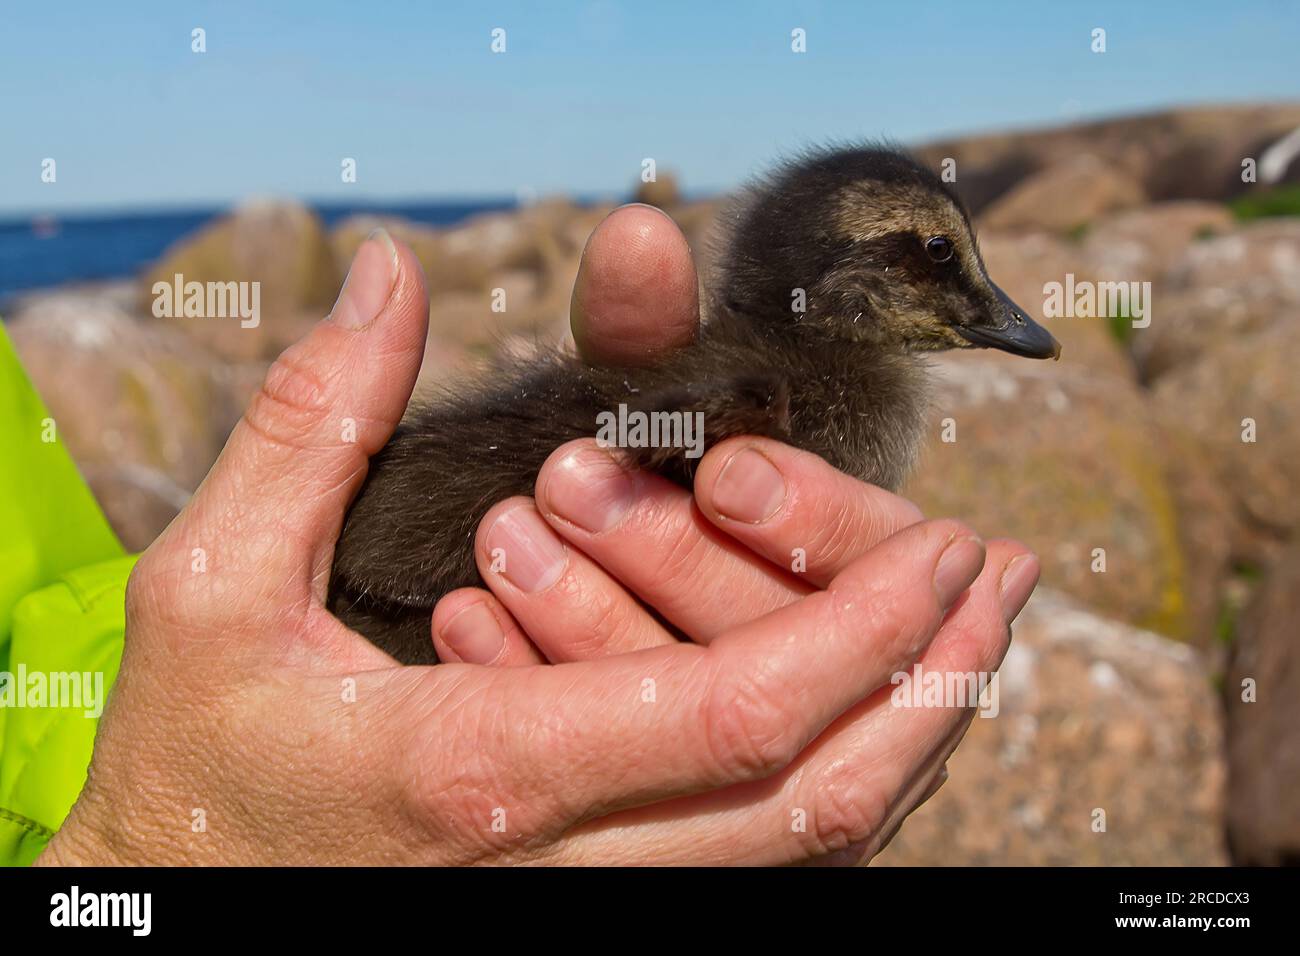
(1011, 329)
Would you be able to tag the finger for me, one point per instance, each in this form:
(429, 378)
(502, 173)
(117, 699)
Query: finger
(647, 533)
(329, 402)
(570, 608)
(636, 294)
(636, 728)
(936, 784)
(925, 783)
(916, 732)
(902, 739)
(470, 626)
(793, 508)
(845, 790)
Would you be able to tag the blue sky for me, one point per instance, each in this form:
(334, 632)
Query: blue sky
(584, 92)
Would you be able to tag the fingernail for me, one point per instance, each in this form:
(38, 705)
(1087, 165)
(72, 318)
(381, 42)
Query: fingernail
(1018, 580)
(749, 488)
(644, 205)
(958, 567)
(525, 550)
(369, 284)
(589, 488)
(474, 634)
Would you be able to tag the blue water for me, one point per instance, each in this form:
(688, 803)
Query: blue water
(50, 252)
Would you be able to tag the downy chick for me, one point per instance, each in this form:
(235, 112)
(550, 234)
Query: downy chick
(882, 258)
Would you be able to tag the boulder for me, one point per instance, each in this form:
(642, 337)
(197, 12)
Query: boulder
(1262, 706)
(662, 192)
(1065, 197)
(1093, 715)
(1023, 265)
(1220, 289)
(1061, 458)
(516, 302)
(1207, 530)
(1207, 405)
(536, 237)
(142, 409)
(1186, 153)
(282, 246)
(1144, 244)
(1207, 161)
(698, 221)
(447, 269)
(494, 275)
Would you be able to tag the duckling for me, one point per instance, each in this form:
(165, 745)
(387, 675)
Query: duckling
(838, 273)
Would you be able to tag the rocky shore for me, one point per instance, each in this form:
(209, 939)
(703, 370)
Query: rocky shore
(1153, 469)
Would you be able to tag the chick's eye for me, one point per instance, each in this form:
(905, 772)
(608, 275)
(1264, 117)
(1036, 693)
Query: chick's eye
(939, 248)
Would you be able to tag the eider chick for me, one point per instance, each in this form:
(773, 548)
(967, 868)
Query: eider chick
(838, 273)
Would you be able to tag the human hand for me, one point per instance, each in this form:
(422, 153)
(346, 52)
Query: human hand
(241, 703)
(622, 541)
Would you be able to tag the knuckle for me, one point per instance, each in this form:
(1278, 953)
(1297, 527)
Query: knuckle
(141, 586)
(684, 551)
(555, 749)
(908, 512)
(164, 596)
(153, 588)
(840, 529)
(861, 514)
(605, 620)
(463, 812)
(841, 516)
(752, 730)
(464, 788)
(879, 617)
(843, 811)
(893, 629)
(292, 399)
(976, 647)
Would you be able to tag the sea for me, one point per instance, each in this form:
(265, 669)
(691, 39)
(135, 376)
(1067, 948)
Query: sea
(44, 251)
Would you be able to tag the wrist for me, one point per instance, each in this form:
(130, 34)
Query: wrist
(81, 841)
(72, 846)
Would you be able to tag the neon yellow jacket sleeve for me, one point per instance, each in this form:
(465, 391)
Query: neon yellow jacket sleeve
(62, 582)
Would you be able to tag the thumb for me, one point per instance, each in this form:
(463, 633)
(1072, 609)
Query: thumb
(636, 296)
(328, 403)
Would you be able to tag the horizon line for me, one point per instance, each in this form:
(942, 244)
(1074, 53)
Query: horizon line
(129, 209)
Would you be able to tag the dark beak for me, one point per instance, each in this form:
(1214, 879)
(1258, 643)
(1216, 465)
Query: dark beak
(1012, 330)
